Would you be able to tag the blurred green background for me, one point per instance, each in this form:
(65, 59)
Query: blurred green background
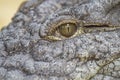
(7, 10)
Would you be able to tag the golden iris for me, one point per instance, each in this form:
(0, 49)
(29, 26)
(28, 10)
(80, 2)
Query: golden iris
(68, 29)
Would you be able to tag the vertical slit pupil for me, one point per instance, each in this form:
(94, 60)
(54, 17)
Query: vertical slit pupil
(68, 29)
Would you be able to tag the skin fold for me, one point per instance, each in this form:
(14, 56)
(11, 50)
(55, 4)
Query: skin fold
(30, 49)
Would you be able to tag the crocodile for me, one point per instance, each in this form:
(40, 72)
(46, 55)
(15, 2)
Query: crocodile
(62, 40)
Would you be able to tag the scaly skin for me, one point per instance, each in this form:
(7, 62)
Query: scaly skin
(25, 54)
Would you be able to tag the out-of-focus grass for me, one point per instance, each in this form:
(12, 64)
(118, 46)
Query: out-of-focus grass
(7, 10)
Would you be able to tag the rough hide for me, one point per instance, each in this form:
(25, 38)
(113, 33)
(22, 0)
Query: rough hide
(25, 55)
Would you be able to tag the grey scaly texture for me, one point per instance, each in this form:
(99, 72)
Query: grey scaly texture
(25, 55)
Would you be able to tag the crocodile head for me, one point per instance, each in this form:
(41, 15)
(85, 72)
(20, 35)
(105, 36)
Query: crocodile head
(33, 48)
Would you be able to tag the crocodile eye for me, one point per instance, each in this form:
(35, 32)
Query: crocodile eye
(64, 29)
(67, 29)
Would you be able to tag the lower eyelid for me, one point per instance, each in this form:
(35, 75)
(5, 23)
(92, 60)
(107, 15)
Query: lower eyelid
(52, 38)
